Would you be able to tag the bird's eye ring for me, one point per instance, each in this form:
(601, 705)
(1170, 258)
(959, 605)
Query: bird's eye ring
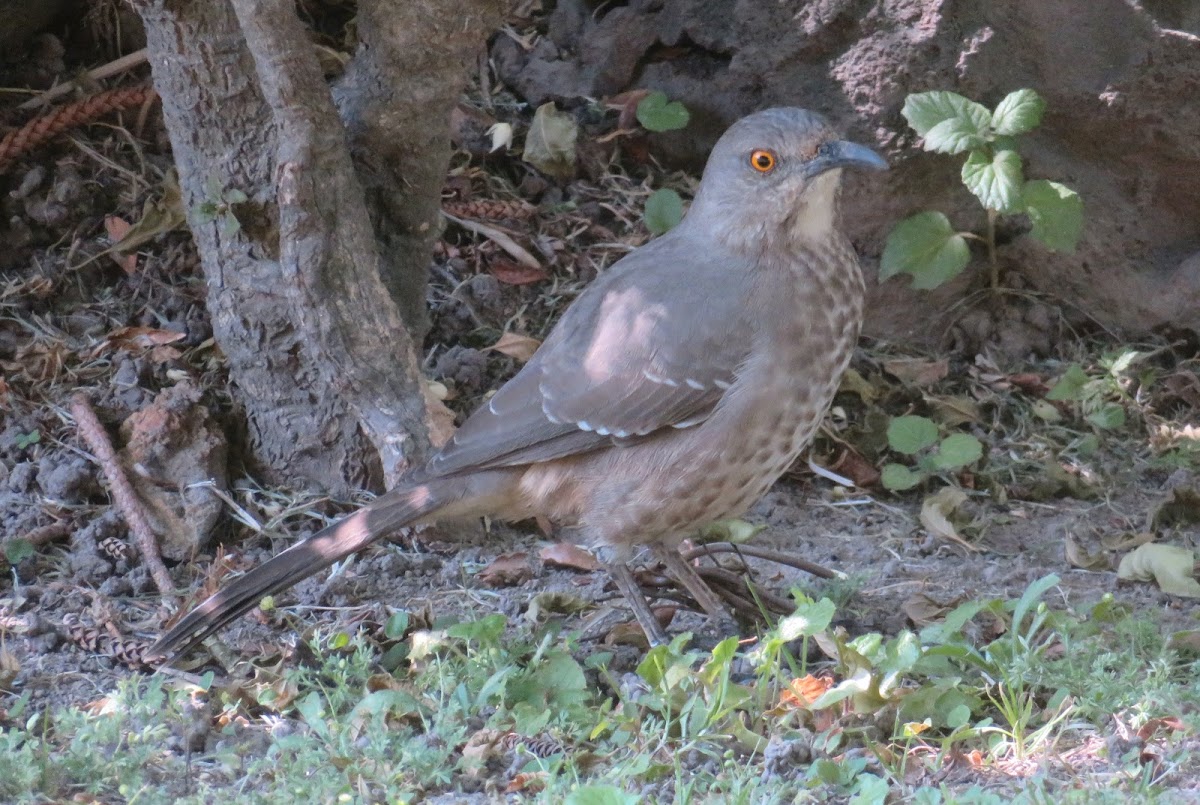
(763, 160)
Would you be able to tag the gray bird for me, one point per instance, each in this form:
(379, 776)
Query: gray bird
(674, 391)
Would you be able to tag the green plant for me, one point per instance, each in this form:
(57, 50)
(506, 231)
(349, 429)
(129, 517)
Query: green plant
(218, 205)
(920, 439)
(926, 245)
(664, 208)
(1103, 396)
(657, 113)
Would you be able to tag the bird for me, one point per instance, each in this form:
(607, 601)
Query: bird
(673, 391)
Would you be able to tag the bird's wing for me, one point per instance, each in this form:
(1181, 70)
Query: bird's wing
(654, 343)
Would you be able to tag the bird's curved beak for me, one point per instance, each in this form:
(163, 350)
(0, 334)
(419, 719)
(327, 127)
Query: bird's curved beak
(844, 154)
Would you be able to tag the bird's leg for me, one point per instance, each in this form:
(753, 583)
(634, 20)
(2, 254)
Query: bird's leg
(629, 588)
(686, 575)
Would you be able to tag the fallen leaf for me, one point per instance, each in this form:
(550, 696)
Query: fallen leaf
(1125, 541)
(159, 216)
(1170, 566)
(936, 511)
(555, 603)
(530, 781)
(854, 383)
(1030, 383)
(507, 570)
(922, 610)
(565, 554)
(550, 143)
(954, 410)
(138, 338)
(917, 371)
(803, 691)
(1152, 726)
(516, 346)
(511, 272)
(1080, 558)
(117, 228)
(852, 464)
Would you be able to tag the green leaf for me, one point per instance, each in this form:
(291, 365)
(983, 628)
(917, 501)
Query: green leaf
(996, 182)
(924, 110)
(1056, 212)
(601, 795)
(898, 477)
(958, 450)
(1110, 417)
(809, 619)
(1070, 385)
(911, 434)
(955, 135)
(656, 113)
(25, 440)
(17, 550)
(869, 790)
(927, 247)
(1019, 112)
(396, 626)
(664, 209)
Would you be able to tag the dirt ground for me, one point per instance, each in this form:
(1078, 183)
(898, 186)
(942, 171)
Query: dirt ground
(76, 318)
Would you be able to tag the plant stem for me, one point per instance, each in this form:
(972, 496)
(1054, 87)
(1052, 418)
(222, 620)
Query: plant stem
(991, 247)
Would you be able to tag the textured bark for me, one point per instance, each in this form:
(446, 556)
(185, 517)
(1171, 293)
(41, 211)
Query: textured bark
(399, 128)
(319, 358)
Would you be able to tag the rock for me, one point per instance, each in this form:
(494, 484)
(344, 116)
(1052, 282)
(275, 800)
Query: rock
(1118, 128)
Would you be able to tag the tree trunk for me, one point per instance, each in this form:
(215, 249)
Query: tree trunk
(319, 358)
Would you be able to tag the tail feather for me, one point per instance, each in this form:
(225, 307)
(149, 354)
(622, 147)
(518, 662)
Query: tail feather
(395, 510)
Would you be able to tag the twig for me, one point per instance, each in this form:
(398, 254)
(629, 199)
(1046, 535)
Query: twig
(102, 72)
(763, 553)
(737, 584)
(44, 127)
(123, 495)
(499, 238)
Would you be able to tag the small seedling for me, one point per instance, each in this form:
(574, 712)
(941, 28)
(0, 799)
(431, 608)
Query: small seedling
(926, 245)
(657, 113)
(918, 437)
(664, 208)
(218, 206)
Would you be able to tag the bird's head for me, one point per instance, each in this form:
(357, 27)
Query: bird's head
(773, 179)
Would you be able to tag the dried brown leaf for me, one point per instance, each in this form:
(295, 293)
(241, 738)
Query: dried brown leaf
(117, 228)
(507, 570)
(1078, 557)
(565, 554)
(511, 272)
(936, 511)
(923, 610)
(514, 345)
(917, 371)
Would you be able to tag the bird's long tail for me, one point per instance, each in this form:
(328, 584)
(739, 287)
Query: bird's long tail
(406, 505)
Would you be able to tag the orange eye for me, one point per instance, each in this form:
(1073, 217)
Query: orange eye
(763, 161)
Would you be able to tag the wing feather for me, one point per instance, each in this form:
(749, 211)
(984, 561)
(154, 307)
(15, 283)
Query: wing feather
(653, 343)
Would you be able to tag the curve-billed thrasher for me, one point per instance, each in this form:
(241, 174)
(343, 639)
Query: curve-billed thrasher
(674, 391)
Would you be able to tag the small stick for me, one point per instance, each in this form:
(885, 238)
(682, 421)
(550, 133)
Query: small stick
(763, 553)
(123, 495)
(737, 584)
(100, 73)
